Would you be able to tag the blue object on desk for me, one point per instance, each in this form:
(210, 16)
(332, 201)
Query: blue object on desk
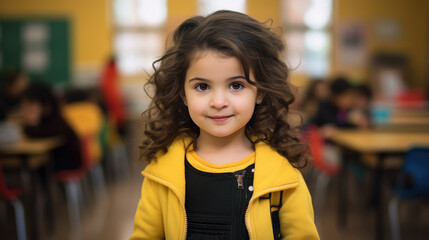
(380, 114)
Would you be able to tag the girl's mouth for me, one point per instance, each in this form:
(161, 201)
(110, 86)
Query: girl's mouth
(220, 118)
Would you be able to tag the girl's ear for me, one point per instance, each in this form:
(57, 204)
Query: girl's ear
(183, 97)
(260, 97)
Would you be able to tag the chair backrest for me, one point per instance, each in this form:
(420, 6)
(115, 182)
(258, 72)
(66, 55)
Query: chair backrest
(5, 192)
(416, 165)
(410, 98)
(313, 137)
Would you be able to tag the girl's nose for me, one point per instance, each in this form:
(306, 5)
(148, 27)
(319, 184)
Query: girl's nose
(219, 100)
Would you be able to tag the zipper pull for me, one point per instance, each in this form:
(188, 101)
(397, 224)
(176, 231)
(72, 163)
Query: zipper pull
(240, 178)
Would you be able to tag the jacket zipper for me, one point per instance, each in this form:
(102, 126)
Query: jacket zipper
(239, 176)
(171, 186)
(273, 189)
(240, 180)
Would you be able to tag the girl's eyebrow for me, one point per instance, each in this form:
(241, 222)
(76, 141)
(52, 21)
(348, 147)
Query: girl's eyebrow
(207, 80)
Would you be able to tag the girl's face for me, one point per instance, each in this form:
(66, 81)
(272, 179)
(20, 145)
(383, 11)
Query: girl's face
(219, 99)
(31, 112)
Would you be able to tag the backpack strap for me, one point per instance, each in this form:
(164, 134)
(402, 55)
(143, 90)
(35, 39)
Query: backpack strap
(275, 205)
(276, 200)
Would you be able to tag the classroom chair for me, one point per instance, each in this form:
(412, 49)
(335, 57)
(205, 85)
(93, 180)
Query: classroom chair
(72, 180)
(323, 169)
(12, 196)
(413, 183)
(115, 152)
(86, 119)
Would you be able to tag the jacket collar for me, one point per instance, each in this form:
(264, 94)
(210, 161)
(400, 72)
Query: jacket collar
(271, 169)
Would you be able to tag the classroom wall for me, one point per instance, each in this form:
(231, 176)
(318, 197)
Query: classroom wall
(413, 20)
(91, 25)
(178, 11)
(264, 10)
(92, 29)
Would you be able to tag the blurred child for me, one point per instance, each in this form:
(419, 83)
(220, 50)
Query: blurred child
(360, 115)
(334, 113)
(316, 92)
(223, 156)
(110, 88)
(12, 86)
(9, 133)
(42, 118)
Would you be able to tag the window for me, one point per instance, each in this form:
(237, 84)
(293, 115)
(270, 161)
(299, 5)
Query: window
(307, 35)
(138, 36)
(206, 7)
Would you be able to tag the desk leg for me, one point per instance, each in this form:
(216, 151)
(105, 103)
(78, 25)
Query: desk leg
(379, 197)
(29, 179)
(34, 207)
(31, 212)
(342, 192)
(49, 202)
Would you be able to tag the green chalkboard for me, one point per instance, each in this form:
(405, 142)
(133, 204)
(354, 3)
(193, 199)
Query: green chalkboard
(38, 46)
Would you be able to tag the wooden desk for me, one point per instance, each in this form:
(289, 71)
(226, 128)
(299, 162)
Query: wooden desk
(424, 112)
(25, 154)
(409, 120)
(367, 141)
(382, 144)
(31, 146)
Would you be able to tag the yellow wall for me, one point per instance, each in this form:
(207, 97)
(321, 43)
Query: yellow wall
(91, 25)
(413, 20)
(179, 10)
(264, 10)
(92, 29)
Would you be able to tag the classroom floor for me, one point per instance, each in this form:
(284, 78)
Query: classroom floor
(361, 220)
(111, 217)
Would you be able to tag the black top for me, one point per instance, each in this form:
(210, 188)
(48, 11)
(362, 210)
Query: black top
(328, 113)
(216, 203)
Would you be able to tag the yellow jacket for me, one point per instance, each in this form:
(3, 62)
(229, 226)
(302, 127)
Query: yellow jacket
(161, 211)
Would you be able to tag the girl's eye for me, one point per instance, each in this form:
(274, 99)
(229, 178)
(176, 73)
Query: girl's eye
(202, 87)
(236, 86)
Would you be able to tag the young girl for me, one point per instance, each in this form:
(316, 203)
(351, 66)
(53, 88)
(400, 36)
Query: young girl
(222, 155)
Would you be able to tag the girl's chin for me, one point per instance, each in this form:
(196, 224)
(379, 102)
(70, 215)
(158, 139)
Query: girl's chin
(223, 134)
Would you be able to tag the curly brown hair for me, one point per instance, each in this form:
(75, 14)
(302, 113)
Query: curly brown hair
(258, 49)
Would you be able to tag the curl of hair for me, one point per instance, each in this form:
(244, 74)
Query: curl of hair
(259, 51)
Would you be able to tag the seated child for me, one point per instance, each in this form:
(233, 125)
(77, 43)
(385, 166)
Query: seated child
(42, 118)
